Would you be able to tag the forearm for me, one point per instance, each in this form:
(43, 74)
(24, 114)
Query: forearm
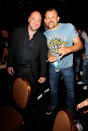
(75, 48)
(64, 50)
(87, 101)
(78, 45)
(83, 104)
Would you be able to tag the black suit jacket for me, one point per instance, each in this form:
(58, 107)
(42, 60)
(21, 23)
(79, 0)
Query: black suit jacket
(38, 55)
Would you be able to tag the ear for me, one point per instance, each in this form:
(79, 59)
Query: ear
(45, 21)
(58, 18)
(28, 19)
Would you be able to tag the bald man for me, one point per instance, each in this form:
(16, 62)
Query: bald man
(28, 51)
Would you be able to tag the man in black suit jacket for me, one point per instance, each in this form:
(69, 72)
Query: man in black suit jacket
(28, 51)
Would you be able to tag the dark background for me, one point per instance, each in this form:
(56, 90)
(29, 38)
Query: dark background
(15, 12)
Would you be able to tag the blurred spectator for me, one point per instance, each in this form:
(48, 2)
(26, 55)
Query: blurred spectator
(78, 57)
(85, 36)
(1, 46)
(85, 60)
(4, 43)
(85, 64)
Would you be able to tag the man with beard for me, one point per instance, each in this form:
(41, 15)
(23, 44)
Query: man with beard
(62, 41)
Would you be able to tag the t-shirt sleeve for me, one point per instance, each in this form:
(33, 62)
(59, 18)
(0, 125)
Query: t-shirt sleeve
(73, 31)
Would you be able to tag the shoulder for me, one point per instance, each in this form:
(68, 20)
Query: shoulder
(20, 29)
(67, 25)
(70, 28)
(46, 32)
(41, 35)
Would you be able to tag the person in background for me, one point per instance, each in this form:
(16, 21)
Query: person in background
(5, 41)
(85, 65)
(78, 58)
(81, 58)
(1, 47)
(85, 36)
(62, 41)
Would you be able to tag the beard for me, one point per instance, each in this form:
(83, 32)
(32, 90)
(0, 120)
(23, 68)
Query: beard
(51, 25)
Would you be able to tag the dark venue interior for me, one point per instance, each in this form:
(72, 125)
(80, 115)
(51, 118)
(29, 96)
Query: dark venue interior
(14, 13)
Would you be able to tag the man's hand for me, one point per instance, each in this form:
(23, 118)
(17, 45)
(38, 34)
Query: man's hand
(63, 51)
(41, 80)
(83, 56)
(83, 104)
(10, 70)
(51, 58)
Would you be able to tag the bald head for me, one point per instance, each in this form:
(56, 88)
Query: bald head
(36, 13)
(34, 20)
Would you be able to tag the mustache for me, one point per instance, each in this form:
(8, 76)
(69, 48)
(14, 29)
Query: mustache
(51, 22)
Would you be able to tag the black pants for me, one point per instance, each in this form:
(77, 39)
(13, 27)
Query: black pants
(25, 71)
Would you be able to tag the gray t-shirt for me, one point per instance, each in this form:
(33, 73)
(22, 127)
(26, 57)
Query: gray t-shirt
(63, 35)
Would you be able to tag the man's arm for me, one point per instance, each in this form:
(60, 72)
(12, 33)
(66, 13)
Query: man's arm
(5, 56)
(43, 59)
(75, 47)
(11, 49)
(10, 70)
(82, 105)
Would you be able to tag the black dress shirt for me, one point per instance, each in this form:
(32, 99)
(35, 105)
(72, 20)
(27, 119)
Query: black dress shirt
(22, 50)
